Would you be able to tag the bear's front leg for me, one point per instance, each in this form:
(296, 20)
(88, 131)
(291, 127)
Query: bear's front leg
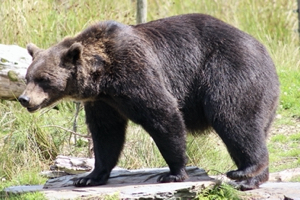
(107, 127)
(162, 119)
(166, 127)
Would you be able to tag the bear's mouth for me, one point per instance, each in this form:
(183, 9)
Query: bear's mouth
(33, 109)
(45, 103)
(37, 107)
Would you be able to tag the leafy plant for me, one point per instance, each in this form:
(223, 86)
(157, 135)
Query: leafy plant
(219, 192)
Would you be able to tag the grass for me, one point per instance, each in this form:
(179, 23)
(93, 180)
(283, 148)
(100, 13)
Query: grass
(219, 192)
(47, 22)
(140, 152)
(296, 179)
(29, 142)
(27, 196)
(284, 151)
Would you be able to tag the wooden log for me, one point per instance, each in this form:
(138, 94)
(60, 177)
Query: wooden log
(70, 165)
(14, 61)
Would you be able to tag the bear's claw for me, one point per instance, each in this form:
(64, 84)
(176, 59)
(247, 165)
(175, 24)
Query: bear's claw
(167, 178)
(238, 175)
(247, 181)
(245, 184)
(86, 182)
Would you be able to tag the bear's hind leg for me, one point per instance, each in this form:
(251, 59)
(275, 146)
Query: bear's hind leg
(107, 127)
(247, 147)
(252, 183)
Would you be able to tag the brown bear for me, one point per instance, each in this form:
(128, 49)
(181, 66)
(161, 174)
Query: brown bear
(173, 75)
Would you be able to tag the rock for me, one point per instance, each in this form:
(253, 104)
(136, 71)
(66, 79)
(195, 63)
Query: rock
(276, 191)
(128, 184)
(182, 190)
(23, 189)
(141, 183)
(14, 61)
(284, 176)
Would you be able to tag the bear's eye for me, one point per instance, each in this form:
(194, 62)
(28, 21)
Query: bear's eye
(42, 80)
(99, 61)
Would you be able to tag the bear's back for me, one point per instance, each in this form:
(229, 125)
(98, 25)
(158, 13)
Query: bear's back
(201, 48)
(204, 59)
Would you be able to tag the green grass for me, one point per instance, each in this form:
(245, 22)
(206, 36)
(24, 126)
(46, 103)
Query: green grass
(290, 95)
(219, 192)
(26, 196)
(140, 151)
(284, 151)
(29, 142)
(296, 179)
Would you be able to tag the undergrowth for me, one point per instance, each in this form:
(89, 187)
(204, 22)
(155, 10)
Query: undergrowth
(26, 196)
(219, 192)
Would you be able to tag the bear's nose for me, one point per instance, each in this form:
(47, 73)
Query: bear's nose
(24, 100)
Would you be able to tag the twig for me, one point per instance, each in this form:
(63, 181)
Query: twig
(77, 104)
(78, 134)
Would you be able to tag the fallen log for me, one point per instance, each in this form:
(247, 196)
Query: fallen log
(14, 61)
(66, 165)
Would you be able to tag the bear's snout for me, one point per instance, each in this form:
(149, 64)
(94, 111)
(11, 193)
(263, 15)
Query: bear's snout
(34, 97)
(24, 100)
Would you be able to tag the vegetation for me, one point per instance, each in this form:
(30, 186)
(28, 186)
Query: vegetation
(30, 142)
(219, 192)
(27, 196)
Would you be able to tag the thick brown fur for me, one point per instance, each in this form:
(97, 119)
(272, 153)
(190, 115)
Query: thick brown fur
(183, 73)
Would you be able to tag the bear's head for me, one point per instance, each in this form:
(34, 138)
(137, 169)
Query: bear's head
(82, 68)
(50, 77)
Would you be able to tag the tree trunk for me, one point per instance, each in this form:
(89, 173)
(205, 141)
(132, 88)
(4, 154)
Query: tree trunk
(141, 11)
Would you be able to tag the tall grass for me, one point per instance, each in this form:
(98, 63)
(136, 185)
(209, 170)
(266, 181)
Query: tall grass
(28, 143)
(46, 22)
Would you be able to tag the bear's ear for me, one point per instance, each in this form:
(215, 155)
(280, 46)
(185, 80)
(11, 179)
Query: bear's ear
(73, 53)
(32, 49)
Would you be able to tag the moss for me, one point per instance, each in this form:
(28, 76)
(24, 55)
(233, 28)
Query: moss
(12, 75)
